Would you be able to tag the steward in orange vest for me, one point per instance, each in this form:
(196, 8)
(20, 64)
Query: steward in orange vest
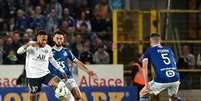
(137, 74)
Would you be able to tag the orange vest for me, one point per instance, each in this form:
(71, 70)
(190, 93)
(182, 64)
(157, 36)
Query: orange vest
(139, 79)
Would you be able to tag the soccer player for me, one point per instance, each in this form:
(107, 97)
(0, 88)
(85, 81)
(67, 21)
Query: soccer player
(166, 74)
(38, 55)
(62, 55)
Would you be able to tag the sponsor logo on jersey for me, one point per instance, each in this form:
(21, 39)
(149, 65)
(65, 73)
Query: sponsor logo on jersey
(65, 54)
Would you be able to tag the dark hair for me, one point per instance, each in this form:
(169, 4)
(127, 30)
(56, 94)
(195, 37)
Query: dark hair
(59, 32)
(154, 35)
(101, 46)
(41, 32)
(84, 24)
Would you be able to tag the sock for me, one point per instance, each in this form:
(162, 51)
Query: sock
(179, 99)
(143, 99)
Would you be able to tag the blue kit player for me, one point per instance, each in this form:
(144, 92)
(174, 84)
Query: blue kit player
(165, 69)
(62, 55)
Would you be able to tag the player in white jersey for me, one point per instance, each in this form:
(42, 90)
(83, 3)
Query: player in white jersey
(38, 56)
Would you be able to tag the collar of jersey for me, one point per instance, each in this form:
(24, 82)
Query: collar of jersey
(156, 45)
(58, 49)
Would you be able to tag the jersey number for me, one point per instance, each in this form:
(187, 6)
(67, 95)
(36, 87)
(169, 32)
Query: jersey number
(166, 59)
(61, 64)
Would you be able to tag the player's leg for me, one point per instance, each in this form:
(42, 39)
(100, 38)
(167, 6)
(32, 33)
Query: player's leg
(77, 93)
(72, 85)
(34, 85)
(144, 94)
(173, 90)
(56, 83)
(155, 89)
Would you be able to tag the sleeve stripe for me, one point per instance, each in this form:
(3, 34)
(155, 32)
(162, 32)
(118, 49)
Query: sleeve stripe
(144, 59)
(75, 59)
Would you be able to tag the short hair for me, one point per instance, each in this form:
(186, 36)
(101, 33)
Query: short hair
(154, 35)
(58, 32)
(84, 24)
(41, 32)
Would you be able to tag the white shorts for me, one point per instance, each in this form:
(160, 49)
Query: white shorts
(71, 83)
(156, 87)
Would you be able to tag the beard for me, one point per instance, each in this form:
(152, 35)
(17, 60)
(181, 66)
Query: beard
(58, 45)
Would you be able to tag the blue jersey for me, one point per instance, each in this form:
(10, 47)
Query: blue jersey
(61, 56)
(163, 61)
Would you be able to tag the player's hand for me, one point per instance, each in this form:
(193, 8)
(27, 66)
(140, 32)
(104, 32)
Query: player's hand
(31, 43)
(65, 76)
(147, 88)
(91, 73)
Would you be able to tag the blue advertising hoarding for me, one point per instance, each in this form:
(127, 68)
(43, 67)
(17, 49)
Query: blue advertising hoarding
(89, 94)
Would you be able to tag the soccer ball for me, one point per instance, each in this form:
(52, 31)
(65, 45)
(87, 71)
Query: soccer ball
(59, 94)
(62, 92)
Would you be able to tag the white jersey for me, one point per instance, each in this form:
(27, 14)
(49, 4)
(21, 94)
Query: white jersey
(37, 60)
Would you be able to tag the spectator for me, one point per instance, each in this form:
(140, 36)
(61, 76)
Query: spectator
(44, 7)
(11, 58)
(84, 31)
(52, 22)
(70, 19)
(22, 22)
(86, 56)
(77, 47)
(71, 35)
(110, 51)
(54, 4)
(102, 9)
(16, 40)
(38, 20)
(26, 38)
(116, 4)
(83, 19)
(4, 9)
(73, 9)
(1, 50)
(84, 7)
(101, 56)
(8, 45)
(28, 7)
(3, 25)
(199, 60)
(187, 60)
(12, 24)
(65, 25)
(29, 33)
(101, 23)
(98, 42)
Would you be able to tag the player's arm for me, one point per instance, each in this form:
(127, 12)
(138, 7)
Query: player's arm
(84, 67)
(80, 64)
(145, 62)
(144, 70)
(25, 48)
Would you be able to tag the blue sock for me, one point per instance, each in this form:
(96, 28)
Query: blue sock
(143, 99)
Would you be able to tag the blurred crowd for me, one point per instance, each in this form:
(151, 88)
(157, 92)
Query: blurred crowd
(87, 25)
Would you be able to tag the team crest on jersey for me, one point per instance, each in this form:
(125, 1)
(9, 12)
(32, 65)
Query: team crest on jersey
(65, 54)
(46, 51)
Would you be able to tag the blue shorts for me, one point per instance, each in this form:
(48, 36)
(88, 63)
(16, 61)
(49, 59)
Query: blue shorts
(35, 84)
